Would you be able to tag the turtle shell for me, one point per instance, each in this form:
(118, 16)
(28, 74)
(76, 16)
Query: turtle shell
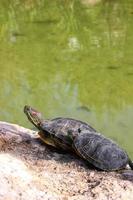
(62, 131)
(101, 152)
(63, 125)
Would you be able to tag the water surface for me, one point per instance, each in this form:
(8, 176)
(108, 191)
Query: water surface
(66, 58)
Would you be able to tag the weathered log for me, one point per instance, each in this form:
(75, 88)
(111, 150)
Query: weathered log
(31, 170)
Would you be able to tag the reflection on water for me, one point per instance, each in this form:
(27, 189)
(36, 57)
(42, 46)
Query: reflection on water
(69, 58)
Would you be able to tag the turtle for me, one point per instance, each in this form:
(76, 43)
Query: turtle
(76, 136)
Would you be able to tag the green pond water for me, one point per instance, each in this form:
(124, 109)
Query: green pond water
(67, 58)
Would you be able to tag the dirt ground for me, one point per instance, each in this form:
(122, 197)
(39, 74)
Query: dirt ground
(31, 170)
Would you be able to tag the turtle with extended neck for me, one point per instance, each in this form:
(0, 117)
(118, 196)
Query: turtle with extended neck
(77, 136)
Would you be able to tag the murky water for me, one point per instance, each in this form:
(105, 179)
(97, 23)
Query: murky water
(67, 58)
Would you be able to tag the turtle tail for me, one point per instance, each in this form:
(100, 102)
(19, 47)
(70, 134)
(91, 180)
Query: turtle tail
(130, 164)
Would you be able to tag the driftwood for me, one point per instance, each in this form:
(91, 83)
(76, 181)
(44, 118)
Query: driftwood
(31, 170)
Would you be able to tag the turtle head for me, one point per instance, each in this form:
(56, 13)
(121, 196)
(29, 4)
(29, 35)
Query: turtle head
(35, 118)
(33, 115)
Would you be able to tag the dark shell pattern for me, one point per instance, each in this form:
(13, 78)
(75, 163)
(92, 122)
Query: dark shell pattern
(103, 153)
(61, 128)
(63, 125)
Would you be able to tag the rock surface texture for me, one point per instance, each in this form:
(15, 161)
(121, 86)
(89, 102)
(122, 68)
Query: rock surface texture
(31, 170)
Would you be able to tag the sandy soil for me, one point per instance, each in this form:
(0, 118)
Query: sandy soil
(31, 170)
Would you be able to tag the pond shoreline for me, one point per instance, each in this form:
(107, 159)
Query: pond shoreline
(29, 169)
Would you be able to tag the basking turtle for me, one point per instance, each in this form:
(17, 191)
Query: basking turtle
(79, 137)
